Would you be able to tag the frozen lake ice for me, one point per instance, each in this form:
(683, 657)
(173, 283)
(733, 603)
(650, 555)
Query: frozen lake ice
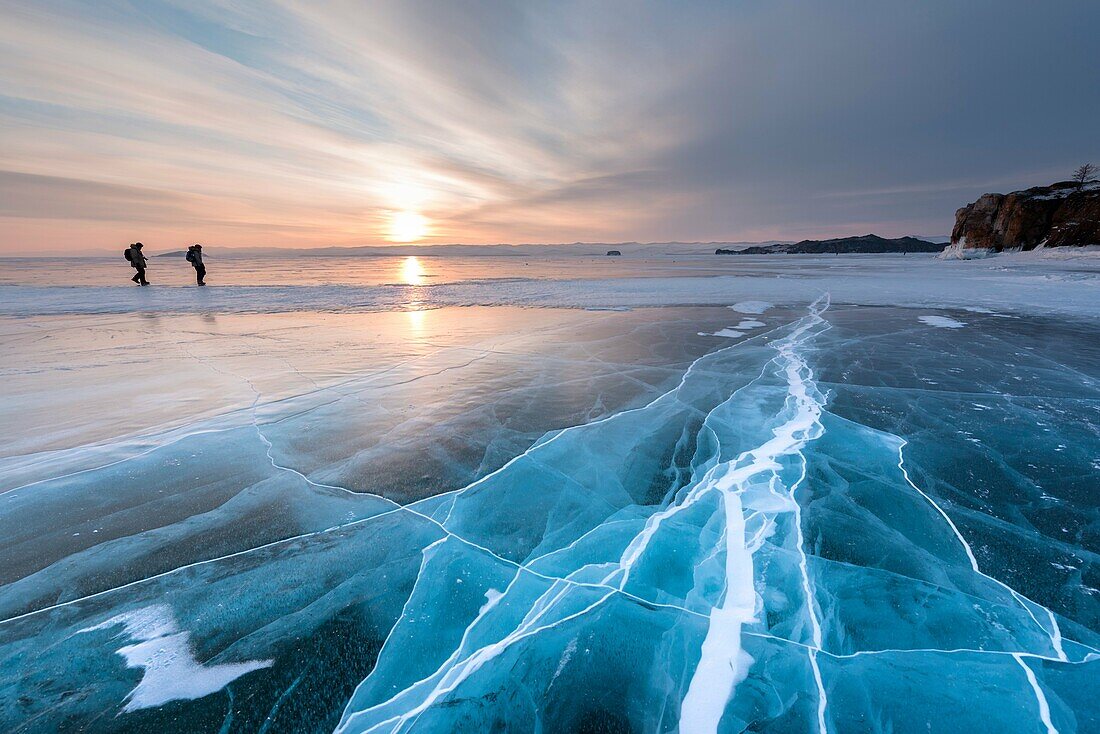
(868, 504)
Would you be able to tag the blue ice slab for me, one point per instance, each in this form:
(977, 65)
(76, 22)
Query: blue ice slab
(802, 531)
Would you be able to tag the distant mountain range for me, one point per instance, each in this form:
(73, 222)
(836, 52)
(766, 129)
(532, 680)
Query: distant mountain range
(868, 243)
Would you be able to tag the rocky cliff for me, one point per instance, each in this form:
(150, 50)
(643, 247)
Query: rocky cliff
(1059, 215)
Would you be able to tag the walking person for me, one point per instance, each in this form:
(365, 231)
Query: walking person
(194, 256)
(137, 262)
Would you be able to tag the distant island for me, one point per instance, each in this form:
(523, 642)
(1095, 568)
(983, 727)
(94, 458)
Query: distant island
(868, 243)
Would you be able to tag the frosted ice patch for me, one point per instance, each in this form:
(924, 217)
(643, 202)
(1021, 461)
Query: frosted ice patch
(566, 656)
(748, 324)
(171, 671)
(755, 307)
(941, 322)
(729, 333)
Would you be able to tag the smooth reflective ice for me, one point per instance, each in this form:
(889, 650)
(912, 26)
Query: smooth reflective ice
(839, 519)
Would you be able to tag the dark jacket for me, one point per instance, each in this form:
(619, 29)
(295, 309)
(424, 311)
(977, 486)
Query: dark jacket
(137, 260)
(194, 257)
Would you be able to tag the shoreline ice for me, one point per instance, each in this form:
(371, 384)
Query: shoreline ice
(1015, 283)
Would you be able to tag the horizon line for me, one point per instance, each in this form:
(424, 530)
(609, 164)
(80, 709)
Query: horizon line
(105, 252)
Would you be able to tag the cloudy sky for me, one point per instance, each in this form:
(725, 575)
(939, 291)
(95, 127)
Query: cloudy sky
(318, 122)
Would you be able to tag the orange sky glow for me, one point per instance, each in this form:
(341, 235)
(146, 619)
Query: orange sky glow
(289, 124)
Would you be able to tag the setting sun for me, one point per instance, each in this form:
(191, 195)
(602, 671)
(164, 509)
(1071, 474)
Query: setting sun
(407, 226)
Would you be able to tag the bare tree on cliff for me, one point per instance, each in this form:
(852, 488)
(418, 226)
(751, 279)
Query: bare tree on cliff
(1084, 174)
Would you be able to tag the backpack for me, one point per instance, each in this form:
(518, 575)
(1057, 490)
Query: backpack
(128, 255)
(190, 257)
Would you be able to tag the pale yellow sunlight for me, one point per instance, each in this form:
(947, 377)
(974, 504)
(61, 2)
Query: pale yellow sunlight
(412, 273)
(407, 226)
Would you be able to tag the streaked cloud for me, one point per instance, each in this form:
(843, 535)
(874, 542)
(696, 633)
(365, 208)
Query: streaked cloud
(312, 122)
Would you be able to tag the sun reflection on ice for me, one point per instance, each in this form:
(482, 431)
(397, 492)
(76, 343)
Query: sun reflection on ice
(416, 321)
(412, 273)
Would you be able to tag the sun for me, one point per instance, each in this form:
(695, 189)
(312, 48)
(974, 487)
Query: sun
(407, 226)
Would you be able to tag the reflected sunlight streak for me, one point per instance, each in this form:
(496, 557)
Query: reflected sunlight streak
(416, 321)
(412, 273)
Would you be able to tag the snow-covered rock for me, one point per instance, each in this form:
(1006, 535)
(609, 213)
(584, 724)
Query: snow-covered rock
(1062, 214)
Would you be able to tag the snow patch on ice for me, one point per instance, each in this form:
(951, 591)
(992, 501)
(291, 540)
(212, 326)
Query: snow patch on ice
(753, 307)
(941, 322)
(736, 332)
(492, 596)
(1086, 252)
(171, 671)
(959, 251)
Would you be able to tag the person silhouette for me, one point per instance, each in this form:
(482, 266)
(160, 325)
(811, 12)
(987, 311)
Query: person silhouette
(194, 256)
(137, 262)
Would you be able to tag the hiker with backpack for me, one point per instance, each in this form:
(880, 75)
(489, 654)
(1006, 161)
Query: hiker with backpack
(194, 256)
(137, 262)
